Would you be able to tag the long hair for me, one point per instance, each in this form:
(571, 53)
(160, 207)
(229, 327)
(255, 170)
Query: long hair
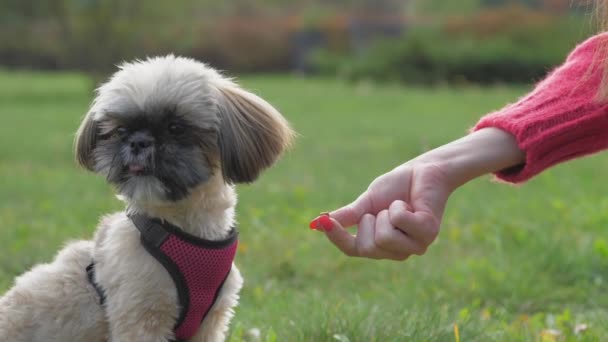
(601, 14)
(600, 18)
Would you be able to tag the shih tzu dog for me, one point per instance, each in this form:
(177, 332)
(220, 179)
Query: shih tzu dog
(172, 136)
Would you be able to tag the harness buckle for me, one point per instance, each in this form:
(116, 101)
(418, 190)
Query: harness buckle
(155, 234)
(152, 231)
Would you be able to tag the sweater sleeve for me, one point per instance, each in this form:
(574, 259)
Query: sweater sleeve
(561, 118)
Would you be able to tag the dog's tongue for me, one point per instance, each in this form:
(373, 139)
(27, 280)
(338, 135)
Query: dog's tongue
(135, 168)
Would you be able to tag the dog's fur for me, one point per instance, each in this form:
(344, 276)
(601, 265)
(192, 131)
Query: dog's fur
(172, 135)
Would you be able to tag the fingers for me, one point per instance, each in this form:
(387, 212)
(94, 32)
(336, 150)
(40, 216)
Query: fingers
(341, 238)
(393, 240)
(390, 228)
(420, 226)
(352, 213)
(372, 240)
(365, 242)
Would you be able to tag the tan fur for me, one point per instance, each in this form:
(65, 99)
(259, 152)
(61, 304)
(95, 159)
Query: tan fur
(252, 128)
(54, 302)
(86, 137)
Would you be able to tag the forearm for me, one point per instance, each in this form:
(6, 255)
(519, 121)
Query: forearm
(485, 151)
(561, 119)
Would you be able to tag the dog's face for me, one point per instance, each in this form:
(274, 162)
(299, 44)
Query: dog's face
(161, 127)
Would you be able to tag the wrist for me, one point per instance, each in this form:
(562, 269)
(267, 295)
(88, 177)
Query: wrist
(481, 152)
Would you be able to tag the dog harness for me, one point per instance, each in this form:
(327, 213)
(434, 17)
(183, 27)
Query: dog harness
(198, 268)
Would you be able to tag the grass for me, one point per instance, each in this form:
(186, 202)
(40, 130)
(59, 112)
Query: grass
(511, 263)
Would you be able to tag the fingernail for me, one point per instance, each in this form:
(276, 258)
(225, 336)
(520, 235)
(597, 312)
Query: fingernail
(326, 222)
(322, 223)
(315, 224)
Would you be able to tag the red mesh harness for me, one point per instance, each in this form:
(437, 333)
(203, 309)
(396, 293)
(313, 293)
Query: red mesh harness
(198, 268)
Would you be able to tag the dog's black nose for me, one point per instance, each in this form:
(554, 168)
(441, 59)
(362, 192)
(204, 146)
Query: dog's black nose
(140, 142)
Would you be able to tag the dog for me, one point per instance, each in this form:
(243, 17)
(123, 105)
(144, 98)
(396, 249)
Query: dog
(173, 136)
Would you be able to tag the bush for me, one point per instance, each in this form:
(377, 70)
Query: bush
(245, 44)
(95, 35)
(513, 45)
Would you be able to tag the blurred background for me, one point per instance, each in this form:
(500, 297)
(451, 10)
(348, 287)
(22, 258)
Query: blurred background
(414, 41)
(368, 85)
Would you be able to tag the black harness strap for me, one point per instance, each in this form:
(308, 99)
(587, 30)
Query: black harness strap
(153, 234)
(91, 277)
(153, 231)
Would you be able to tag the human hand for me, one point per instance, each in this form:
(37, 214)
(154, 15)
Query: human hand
(400, 213)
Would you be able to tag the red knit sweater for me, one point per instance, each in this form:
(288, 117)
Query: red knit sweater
(561, 118)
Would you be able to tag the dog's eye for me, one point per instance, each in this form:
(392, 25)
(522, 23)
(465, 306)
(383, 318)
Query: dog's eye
(176, 128)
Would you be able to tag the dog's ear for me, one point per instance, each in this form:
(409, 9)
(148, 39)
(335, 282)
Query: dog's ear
(252, 136)
(86, 139)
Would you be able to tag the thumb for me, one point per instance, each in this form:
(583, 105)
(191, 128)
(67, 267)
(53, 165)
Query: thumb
(351, 214)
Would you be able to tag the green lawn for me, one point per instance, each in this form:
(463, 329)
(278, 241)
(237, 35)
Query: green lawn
(510, 262)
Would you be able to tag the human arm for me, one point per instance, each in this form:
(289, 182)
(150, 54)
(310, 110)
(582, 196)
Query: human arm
(400, 213)
(561, 119)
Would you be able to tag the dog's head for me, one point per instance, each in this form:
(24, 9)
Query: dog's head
(160, 127)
